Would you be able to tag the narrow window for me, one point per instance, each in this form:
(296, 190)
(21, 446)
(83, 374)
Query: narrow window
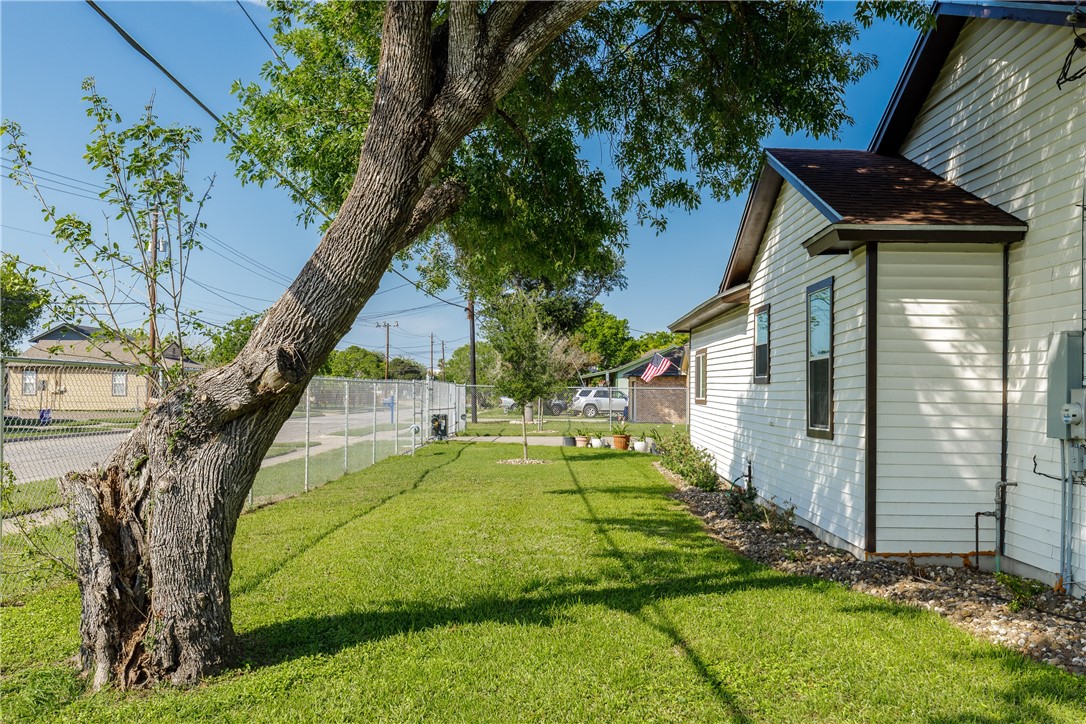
(120, 384)
(761, 345)
(30, 382)
(700, 377)
(820, 359)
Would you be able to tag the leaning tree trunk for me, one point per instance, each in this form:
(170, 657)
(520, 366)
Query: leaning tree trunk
(155, 523)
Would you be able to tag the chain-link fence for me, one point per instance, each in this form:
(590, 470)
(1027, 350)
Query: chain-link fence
(59, 417)
(655, 404)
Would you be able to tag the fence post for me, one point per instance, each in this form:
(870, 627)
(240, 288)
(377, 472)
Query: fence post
(3, 419)
(611, 409)
(346, 418)
(373, 451)
(305, 481)
(396, 418)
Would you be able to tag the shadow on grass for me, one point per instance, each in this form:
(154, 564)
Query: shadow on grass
(652, 614)
(288, 640)
(255, 582)
(632, 491)
(1021, 701)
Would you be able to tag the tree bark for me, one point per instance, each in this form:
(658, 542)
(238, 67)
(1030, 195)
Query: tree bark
(155, 524)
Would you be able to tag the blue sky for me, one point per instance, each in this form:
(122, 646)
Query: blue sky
(47, 48)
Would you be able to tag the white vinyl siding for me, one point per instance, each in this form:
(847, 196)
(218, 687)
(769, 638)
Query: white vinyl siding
(824, 479)
(940, 396)
(996, 124)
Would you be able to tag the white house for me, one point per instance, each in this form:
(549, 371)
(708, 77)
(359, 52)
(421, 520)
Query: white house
(878, 351)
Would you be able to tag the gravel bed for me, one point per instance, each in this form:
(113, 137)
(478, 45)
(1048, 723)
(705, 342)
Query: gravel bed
(1053, 632)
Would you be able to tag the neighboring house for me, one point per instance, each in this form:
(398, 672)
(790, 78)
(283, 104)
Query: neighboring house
(879, 347)
(664, 398)
(93, 374)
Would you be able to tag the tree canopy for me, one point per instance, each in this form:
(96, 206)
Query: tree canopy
(486, 364)
(22, 303)
(227, 341)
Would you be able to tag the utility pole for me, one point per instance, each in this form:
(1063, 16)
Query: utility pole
(431, 375)
(471, 356)
(442, 360)
(386, 325)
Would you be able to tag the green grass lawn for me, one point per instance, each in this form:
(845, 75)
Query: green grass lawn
(31, 496)
(444, 587)
(282, 448)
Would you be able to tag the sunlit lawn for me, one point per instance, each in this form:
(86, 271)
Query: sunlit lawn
(446, 587)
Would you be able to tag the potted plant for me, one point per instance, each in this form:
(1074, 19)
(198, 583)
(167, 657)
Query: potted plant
(581, 440)
(569, 441)
(619, 437)
(639, 444)
(596, 441)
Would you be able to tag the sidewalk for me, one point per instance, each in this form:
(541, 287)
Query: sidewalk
(547, 440)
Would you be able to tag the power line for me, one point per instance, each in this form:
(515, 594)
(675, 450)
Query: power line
(93, 186)
(261, 32)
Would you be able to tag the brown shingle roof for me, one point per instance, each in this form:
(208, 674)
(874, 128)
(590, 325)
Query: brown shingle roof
(860, 187)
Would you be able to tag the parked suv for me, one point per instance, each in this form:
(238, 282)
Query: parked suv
(590, 401)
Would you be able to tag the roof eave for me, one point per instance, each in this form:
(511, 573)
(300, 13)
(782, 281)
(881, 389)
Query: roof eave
(844, 238)
(931, 52)
(711, 308)
(755, 220)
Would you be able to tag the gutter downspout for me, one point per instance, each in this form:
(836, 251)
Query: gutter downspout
(871, 480)
(1001, 487)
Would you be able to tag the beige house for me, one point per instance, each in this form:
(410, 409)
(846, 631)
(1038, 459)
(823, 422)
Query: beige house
(66, 369)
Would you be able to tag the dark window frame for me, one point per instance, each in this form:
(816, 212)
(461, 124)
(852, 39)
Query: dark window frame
(763, 378)
(823, 433)
(701, 376)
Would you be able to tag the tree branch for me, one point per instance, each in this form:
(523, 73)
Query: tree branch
(437, 204)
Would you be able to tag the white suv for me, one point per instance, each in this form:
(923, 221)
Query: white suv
(590, 401)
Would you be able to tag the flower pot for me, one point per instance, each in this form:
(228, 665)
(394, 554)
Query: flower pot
(568, 441)
(596, 442)
(640, 446)
(621, 442)
(581, 440)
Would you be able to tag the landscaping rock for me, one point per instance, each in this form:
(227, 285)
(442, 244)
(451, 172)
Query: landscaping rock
(1053, 632)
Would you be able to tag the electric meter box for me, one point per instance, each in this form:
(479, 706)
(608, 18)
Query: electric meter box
(1064, 375)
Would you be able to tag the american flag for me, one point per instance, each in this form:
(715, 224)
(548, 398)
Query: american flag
(657, 366)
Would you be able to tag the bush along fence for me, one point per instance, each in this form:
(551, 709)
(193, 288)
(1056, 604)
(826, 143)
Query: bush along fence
(63, 416)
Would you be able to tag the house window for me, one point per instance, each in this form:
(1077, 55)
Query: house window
(820, 359)
(120, 384)
(30, 382)
(700, 377)
(761, 345)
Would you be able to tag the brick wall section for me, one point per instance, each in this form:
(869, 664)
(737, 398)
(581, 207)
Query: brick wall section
(663, 400)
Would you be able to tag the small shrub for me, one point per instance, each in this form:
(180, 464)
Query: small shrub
(691, 463)
(778, 519)
(743, 503)
(1023, 590)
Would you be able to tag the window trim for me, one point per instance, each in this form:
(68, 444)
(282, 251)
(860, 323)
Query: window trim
(761, 379)
(819, 432)
(701, 376)
(34, 390)
(113, 384)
